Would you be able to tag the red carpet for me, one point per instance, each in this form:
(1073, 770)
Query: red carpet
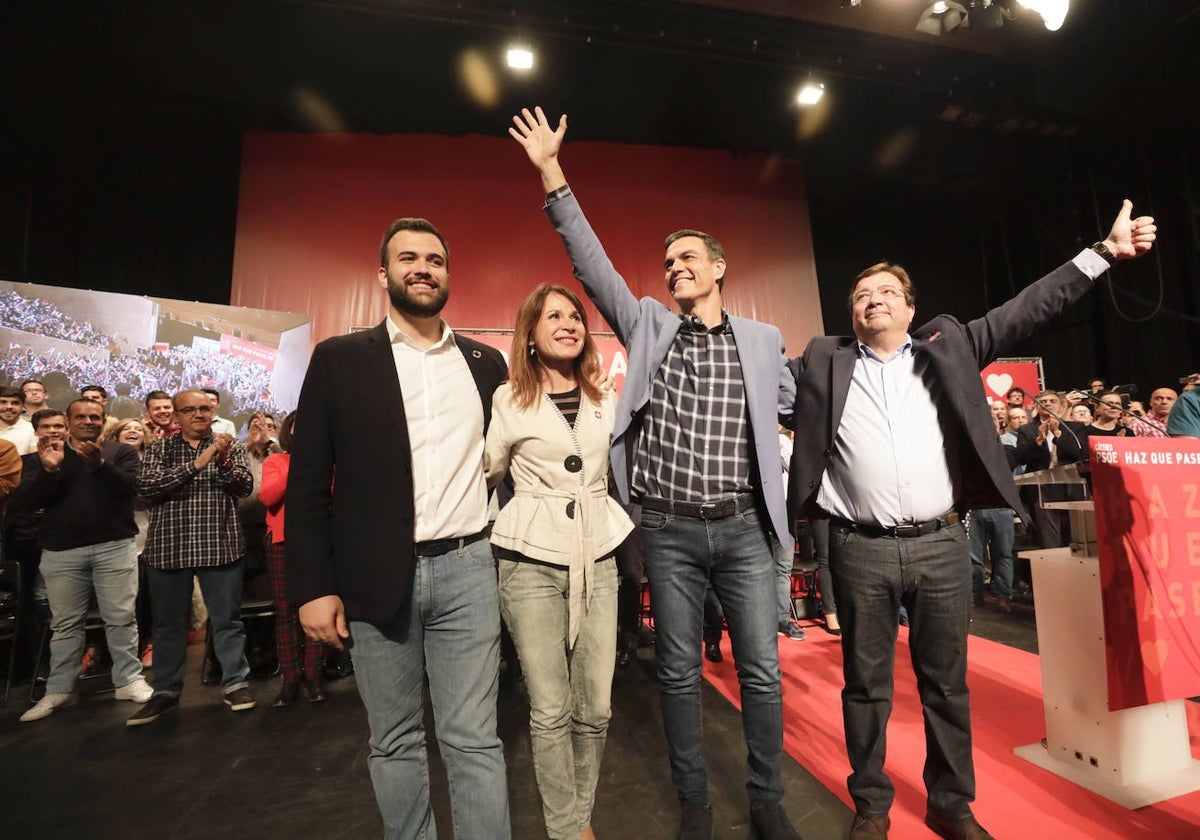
(1015, 798)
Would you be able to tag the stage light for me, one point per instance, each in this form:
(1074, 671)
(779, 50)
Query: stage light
(942, 17)
(1053, 12)
(520, 57)
(810, 93)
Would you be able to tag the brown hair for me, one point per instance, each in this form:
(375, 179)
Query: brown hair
(523, 366)
(896, 270)
(114, 432)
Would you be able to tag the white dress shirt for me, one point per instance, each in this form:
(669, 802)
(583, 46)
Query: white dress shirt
(445, 432)
(20, 435)
(888, 465)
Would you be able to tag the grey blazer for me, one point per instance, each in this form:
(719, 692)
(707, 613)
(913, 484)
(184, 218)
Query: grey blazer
(646, 328)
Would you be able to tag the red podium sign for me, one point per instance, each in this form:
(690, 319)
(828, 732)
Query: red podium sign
(1147, 494)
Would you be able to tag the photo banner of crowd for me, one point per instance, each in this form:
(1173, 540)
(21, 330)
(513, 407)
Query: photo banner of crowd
(133, 345)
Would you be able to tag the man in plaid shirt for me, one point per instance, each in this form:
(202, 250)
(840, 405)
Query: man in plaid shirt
(192, 482)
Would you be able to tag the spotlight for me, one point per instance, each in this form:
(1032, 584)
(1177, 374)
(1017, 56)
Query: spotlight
(811, 93)
(942, 17)
(1053, 12)
(520, 57)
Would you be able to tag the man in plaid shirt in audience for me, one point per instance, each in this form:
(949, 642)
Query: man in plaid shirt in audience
(192, 482)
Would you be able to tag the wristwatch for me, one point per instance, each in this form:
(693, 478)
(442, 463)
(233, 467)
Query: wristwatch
(1102, 249)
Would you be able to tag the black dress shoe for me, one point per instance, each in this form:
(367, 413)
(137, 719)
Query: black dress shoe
(770, 822)
(712, 652)
(696, 823)
(967, 828)
(624, 656)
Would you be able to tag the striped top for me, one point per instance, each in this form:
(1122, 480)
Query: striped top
(567, 404)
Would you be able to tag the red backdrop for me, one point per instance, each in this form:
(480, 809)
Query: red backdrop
(313, 207)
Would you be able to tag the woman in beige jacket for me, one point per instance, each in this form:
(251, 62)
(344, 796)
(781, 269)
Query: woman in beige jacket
(550, 430)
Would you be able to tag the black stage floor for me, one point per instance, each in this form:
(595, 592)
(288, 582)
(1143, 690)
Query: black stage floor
(205, 772)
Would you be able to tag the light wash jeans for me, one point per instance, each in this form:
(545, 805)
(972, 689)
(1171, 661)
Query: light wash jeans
(453, 637)
(171, 602)
(682, 555)
(111, 569)
(570, 691)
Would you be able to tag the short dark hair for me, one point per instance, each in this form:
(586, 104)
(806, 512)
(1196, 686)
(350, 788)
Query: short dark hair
(212, 392)
(715, 250)
(83, 390)
(32, 382)
(1016, 389)
(413, 224)
(287, 430)
(12, 392)
(42, 414)
(155, 395)
(85, 400)
(894, 269)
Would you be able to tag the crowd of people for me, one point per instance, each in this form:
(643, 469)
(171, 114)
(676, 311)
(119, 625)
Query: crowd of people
(391, 542)
(245, 381)
(42, 317)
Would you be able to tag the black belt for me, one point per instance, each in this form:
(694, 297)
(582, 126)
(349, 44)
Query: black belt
(917, 529)
(701, 510)
(432, 548)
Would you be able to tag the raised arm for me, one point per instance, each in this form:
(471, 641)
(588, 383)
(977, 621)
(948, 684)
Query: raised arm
(1040, 302)
(603, 284)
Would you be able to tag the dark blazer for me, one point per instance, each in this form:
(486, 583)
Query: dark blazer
(1036, 456)
(351, 534)
(956, 352)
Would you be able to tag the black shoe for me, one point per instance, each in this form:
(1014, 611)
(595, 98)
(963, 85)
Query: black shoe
(696, 823)
(155, 707)
(712, 652)
(287, 694)
(770, 822)
(624, 656)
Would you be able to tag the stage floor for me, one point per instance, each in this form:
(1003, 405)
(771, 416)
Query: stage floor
(204, 771)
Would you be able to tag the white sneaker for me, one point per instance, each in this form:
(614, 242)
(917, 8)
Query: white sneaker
(139, 691)
(46, 706)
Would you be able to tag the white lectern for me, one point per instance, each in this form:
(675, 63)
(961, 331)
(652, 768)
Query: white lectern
(1135, 757)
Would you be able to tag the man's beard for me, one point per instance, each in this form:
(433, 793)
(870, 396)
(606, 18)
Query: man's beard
(424, 308)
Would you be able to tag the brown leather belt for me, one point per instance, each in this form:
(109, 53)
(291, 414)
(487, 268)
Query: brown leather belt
(701, 510)
(916, 529)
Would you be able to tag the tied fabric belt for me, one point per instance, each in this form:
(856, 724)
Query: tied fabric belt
(432, 548)
(700, 510)
(917, 529)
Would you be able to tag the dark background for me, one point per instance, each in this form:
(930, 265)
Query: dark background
(980, 160)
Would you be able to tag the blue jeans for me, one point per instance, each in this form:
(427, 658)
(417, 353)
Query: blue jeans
(992, 527)
(930, 575)
(570, 689)
(452, 636)
(682, 554)
(171, 603)
(111, 569)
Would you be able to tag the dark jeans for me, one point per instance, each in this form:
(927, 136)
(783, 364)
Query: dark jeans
(682, 555)
(931, 577)
(813, 536)
(171, 599)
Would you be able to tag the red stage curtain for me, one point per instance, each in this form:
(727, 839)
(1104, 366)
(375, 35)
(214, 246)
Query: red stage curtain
(312, 209)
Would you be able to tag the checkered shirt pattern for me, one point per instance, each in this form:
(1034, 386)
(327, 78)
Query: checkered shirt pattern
(695, 440)
(193, 515)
